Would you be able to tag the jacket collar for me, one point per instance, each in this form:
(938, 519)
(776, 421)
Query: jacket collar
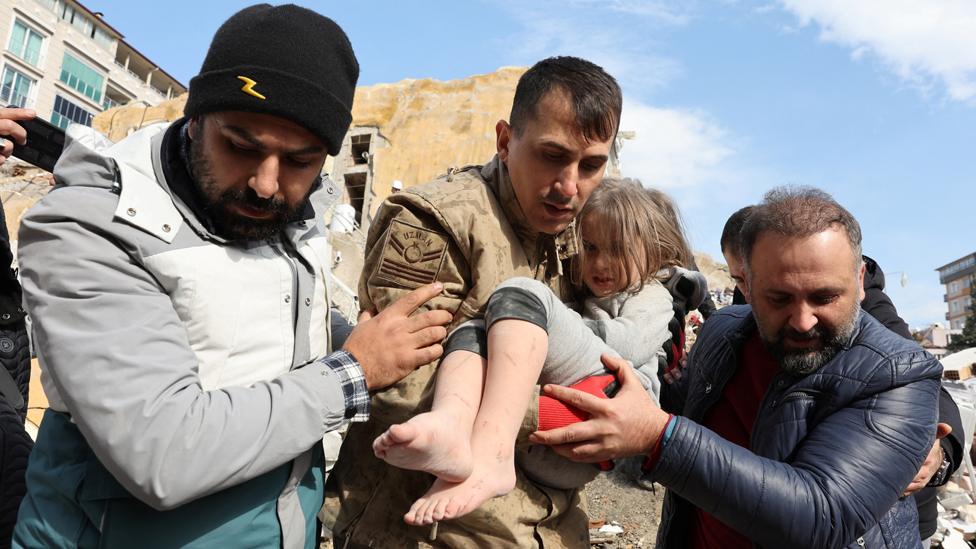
(538, 247)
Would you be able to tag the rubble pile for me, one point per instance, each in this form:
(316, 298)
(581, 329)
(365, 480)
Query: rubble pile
(957, 516)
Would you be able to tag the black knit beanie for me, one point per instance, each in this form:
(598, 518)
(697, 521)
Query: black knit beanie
(286, 61)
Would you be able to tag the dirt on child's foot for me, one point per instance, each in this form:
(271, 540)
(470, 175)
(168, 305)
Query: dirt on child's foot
(428, 442)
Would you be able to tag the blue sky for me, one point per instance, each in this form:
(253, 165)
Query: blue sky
(872, 100)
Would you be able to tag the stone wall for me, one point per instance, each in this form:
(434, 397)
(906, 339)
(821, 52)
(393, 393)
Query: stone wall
(119, 122)
(430, 126)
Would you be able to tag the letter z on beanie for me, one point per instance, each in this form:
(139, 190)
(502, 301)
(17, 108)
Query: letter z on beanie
(285, 61)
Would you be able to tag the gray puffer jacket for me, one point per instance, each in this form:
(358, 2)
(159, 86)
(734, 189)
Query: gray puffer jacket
(830, 453)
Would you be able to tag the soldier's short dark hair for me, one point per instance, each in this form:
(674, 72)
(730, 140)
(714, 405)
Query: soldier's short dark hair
(594, 95)
(800, 212)
(730, 234)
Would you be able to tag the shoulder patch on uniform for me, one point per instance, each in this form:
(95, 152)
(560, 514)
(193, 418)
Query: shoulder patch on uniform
(412, 256)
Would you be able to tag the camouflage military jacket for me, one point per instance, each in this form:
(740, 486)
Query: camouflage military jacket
(466, 230)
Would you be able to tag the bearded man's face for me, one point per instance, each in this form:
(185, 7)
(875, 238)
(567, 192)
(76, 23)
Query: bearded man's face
(254, 171)
(805, 294)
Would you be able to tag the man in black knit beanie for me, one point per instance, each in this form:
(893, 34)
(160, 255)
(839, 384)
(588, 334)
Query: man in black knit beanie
(177, 283)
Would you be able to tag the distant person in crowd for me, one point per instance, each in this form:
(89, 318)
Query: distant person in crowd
(177, 286)
(803, 419)
(730, 249)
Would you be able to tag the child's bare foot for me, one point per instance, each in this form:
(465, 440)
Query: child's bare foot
(432, 442)
(448, 500)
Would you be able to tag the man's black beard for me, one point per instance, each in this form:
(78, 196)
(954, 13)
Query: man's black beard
(217, 204)
(801, 362)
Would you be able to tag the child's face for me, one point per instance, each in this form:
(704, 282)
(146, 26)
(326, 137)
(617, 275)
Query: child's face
(603, 270)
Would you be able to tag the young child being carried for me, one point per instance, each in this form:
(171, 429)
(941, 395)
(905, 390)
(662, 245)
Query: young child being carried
(631, 243)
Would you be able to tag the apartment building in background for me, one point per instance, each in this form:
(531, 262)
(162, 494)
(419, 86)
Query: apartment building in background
(65, 62)
(958, 278)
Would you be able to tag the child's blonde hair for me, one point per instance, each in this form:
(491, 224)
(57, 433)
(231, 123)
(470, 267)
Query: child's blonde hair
(643, 226)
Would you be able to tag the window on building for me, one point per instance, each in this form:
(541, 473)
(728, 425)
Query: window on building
(26, 43)
(359, 147)
(956, 267)
(16, 88)
(76, 18)
(82, 22)
(109, 103)
(65, 111)
(102, 38)
(81, 77)
(356, 187)
(114, 97)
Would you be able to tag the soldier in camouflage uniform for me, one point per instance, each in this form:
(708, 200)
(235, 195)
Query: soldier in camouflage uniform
(471, 230)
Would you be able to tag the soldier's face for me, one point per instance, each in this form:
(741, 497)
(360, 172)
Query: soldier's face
(805, 295)
(254, 171)
(553, 167)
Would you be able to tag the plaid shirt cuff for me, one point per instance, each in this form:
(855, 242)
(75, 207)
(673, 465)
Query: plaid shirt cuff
(353, 381)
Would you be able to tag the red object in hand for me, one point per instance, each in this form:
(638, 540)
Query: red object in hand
(554, 413)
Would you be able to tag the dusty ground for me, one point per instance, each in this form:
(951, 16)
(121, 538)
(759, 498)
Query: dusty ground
(615, 496)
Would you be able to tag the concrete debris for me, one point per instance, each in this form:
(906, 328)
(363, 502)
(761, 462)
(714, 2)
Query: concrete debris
(955, 541)
(957, 517)
(603, 532)
(955, 500)
(611, 529)
(967, 513)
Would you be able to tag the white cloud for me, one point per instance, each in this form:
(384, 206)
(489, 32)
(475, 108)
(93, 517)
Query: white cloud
(617, 35)
(923, 42)
(672, 147)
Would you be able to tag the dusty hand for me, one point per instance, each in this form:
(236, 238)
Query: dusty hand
(392, 344)
(11, 131)
(626, 425)
(931, 463)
